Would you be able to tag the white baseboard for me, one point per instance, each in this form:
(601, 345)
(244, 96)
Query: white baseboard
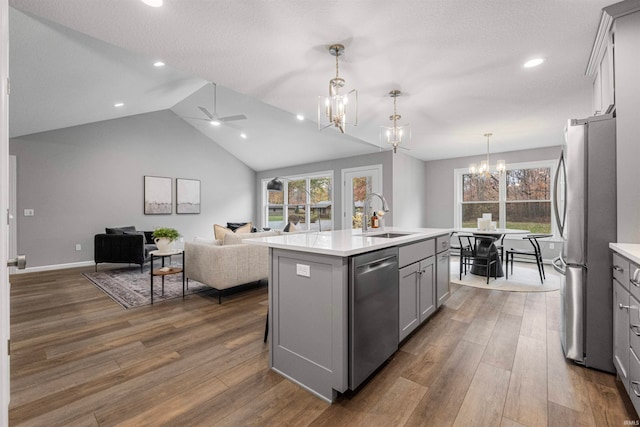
(54, 267)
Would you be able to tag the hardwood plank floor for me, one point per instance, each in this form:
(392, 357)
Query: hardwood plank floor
(486, 358)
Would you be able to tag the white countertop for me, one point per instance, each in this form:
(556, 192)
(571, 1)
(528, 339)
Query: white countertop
(345, 243)
(628, 250)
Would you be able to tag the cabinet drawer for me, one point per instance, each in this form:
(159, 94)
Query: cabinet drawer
(634, 324)
(634, 281)
(442, 243)
(621, 270)
(415, 252)
(634, 380)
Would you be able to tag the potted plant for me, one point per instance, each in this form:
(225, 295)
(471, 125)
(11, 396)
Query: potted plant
(164, 238)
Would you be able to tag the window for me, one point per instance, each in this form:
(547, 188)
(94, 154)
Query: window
(519, 198)
(306, 202)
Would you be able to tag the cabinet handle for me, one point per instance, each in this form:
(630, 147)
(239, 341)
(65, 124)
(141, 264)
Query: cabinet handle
(618, 268)
(635, 329)
(635, 391)
(626, 307)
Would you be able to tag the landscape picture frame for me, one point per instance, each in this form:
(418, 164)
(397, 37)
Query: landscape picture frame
(157, 195)
(187, 196)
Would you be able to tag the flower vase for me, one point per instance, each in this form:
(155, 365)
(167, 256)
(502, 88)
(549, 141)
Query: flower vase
(164, 244)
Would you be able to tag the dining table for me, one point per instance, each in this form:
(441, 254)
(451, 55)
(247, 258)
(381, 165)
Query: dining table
(485, 243)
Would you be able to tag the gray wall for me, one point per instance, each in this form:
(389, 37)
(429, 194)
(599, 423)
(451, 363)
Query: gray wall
(440, 192)
(409, 192)
(627, 70)
(383, 158)
(440, 180)
(82, 179)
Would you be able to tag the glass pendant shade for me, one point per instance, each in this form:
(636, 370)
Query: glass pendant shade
(396, 134)
(338, 110)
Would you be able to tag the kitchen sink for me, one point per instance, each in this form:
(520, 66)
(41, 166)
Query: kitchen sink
(389, 235)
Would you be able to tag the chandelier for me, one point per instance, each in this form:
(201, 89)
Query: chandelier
(393, 135)
(332, 109)
(485, 167)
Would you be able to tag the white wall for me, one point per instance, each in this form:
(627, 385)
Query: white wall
(409, 192)
(627, 75)
(82, 179)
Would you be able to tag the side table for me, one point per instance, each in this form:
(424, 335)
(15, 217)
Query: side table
(165, 271)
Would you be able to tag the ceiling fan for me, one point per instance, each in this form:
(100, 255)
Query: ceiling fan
(213, 118)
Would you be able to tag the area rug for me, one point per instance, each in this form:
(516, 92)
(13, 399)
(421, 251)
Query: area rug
(131, 288)
(525, 278)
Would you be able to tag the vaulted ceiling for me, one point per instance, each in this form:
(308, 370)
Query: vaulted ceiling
(458, 63)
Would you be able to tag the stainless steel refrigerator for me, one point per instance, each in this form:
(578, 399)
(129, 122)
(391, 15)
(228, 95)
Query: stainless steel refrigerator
(585, 212)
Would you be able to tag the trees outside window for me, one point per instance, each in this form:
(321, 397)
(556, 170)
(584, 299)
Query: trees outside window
(305, 201)
(520, 198)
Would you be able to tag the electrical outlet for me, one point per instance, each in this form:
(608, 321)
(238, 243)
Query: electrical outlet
(303, 270)
(551, 246)
(29, 212)
(78, 247)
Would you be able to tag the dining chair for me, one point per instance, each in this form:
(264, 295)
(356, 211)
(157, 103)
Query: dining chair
(470, 255)
(536, 252)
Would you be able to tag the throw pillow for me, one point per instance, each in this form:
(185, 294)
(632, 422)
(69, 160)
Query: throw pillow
(219, 231)
(290, 228)
(245, 228)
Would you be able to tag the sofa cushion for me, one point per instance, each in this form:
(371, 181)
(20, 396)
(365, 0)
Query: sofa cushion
(204, 240)
(120, 230)
(236, 239)
(219, 231)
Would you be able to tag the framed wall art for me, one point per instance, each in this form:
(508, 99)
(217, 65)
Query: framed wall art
(187, 196)
(157, 195)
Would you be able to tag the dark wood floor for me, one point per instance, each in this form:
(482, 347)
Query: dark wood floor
(487, 358)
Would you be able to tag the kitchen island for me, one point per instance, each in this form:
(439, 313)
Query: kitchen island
(341, 301)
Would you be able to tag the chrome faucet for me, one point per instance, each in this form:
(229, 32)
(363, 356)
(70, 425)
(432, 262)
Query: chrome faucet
(365, 217)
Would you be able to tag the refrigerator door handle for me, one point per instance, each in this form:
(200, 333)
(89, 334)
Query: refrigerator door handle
(561, 168)
(559, 265)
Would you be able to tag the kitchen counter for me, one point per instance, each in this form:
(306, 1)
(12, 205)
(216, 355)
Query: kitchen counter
(344, 243)
(629, 250)
(340, 302)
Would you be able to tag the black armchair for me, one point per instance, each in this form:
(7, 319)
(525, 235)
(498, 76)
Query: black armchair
(123, 245)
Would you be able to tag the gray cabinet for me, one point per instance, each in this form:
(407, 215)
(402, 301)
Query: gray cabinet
(409, 310)
(626, 325)
(427, 294)
(621, 332)
(442, 274)
(418, 279)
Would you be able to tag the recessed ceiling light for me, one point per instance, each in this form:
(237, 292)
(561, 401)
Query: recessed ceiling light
(533, 62)
(300, 117)
(153, 3)
(243, 135)
(119, 104)
(215, 123)
(158, 64)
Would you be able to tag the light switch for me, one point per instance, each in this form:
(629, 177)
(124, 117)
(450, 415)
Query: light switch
(78, 247)
(29, 212)
(303, 270)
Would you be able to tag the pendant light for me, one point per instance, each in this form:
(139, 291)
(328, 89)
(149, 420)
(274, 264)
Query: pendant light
(333, 109)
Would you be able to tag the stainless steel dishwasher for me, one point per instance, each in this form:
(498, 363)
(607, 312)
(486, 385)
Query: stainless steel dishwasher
(373, 312)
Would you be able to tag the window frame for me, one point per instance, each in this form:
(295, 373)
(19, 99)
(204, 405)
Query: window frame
(502, 193)
(285, 202)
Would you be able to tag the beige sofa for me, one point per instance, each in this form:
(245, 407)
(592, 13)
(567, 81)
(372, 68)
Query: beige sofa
(223, 264)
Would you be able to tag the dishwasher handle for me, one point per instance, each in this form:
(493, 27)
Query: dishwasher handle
(377, 265)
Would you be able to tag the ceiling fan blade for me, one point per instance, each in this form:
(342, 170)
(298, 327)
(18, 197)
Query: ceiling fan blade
(232, 118)
(206, 112)
(196, 118)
